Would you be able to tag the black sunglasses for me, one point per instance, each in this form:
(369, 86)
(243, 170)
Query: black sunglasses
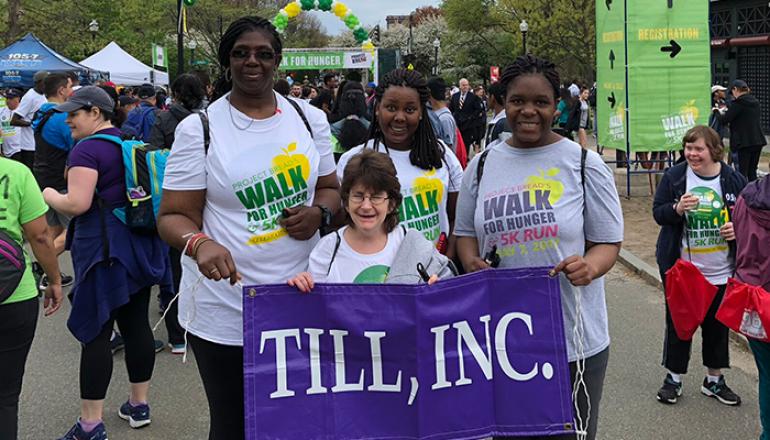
(260, 55)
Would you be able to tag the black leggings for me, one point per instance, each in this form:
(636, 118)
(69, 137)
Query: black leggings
(715, 341)
(175, 331)
(17, 329)
(748, 161)
(96, 357)
(221, 370)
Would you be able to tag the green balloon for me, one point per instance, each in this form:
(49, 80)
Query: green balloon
(307, 5)
(325, 5)
(190, 2)
(280, 21)
(361, 35)
(351, 21)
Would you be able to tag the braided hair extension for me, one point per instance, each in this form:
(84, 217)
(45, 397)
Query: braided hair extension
(234, 31)
(528, 65)
(426, 153)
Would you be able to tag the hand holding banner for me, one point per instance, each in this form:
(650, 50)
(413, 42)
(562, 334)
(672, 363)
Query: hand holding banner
(471, 357)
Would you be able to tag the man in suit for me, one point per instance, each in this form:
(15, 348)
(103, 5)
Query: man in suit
(468, 110)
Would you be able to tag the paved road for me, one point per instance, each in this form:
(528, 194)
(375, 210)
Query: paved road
(629, 409)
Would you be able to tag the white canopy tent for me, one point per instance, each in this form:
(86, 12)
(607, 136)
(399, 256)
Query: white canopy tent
(124, 69)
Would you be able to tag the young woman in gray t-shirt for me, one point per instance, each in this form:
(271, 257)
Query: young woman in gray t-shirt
(540, 200)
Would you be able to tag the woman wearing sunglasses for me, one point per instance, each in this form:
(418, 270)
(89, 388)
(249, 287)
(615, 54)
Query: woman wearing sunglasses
(245, 202)
(372, 248)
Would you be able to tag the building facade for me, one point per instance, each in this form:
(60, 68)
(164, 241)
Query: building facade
(740, 47)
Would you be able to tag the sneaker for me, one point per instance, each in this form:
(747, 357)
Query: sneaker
(720, 391)
(66, 280)
(177, 348)
(159, 346)
(116, 343)
(137, 416)
(670, 391)
(77, 433)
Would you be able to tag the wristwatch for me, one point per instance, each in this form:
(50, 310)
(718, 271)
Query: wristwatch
(326, 217)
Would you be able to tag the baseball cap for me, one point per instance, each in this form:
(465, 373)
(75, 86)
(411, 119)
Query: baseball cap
(12, 93)
(146, 91)
(718, 88)
(739, 83)
(89, 96)
(127, 100)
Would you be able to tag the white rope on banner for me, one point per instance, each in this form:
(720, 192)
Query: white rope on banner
(578, 339)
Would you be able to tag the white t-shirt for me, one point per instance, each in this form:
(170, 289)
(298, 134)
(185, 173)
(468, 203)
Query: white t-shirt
(253, 169)
(11, 138)
(30, 103)
(425, 191)
(710, 253)
(350, 266)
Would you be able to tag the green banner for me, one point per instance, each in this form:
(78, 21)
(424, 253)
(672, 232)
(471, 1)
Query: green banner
(312, 60)
(611, 74)
(669, 71)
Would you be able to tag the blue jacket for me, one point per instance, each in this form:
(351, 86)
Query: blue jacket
(672, 187)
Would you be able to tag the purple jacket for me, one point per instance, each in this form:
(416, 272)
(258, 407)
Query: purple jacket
(751, 220)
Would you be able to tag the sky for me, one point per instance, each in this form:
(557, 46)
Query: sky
(371, 12)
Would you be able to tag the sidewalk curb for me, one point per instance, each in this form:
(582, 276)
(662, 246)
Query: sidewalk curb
(651, 276)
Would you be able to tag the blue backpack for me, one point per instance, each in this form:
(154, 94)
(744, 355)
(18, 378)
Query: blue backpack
(134, 127)
(144, 171)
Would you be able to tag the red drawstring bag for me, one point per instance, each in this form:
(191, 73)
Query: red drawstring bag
(460, 149)
(746, 310)
(689, 295)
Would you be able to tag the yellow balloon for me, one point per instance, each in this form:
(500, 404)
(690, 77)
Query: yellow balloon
(340, 9)
(293, 9)
(368, 46)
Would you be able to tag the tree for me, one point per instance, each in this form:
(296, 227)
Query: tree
(560, 30)
(563, 31)
(424, 13)
(475, 40)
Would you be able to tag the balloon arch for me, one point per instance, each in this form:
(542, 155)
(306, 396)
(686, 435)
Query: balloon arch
(338, 8)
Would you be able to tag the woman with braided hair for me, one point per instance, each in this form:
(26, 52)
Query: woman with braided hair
(540, 200)
(428, 171)
(246, 191)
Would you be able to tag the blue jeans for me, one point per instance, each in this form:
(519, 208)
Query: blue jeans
(762, 357)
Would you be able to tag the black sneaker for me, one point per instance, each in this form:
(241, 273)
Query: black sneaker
(159, 346)
(670, 391)
(66, 280)
(720, 391)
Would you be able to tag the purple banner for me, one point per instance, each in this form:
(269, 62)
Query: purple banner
(467, 358)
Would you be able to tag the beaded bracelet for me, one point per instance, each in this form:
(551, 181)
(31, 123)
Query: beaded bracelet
(191, 243)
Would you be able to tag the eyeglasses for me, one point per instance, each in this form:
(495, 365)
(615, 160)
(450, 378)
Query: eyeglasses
(375, 200)
(260, 55)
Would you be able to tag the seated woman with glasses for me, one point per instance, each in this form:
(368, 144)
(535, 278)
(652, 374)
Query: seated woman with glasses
(372, 248)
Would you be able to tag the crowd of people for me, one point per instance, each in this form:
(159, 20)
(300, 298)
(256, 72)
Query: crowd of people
(272, 181)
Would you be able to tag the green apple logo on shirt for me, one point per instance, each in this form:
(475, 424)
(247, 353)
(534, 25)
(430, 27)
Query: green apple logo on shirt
(372, 275)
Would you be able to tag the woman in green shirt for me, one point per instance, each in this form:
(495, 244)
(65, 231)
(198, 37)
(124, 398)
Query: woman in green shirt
(22, 213)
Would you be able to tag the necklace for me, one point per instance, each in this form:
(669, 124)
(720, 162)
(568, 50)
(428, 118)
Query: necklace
(251, 120)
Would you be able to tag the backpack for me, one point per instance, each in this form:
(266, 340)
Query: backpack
(133, 128)
(12, 265)
(143, 171)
